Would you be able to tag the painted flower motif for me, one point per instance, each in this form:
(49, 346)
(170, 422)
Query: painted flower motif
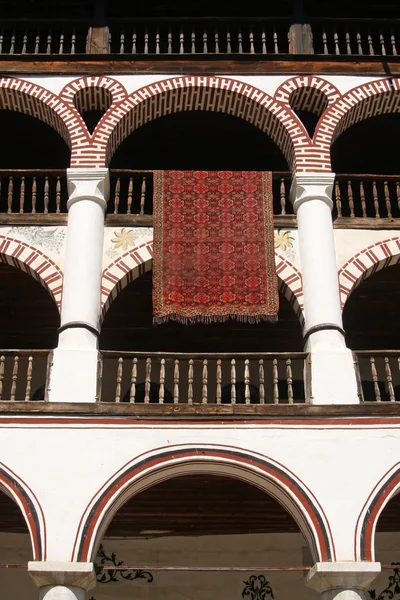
(124, 238)
(283, 240)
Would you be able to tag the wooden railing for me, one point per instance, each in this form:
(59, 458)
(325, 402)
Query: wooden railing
(361, 37)
(367, 196)
(378, 373)
(212, 35)
(40, 36)
(24, 374)
(203, 379)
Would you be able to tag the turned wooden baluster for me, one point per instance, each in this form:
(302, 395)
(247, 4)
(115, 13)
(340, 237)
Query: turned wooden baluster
(176, 381)
(261, 380)
(73, 42)
(240, 42)
(22, 196)
(216, 42)
(14, 378)
(370, 45)
(393, 44)
(161, 391)
(204, 382)
(325, 42)
(387, 199)
(146, 42)
(2, 368)
(134, 42)
(29, 370)
(218, 394)
(382, 43)
(336, 42)
(398, 194)
(289, 380)
(263, 41)
(376, 199)
(275, 379)
(359, 46)
(122, 42)
(48, 48)
(34, 194)
(158, 41)
(46, 195)
(190, 382)
(338, 200)
(181, 42)
(275, 39)
(283, 196)
(130, 195)
(1, 42)
(58, 195)
(348, 44)
(205, 46)
(12, 45)
(169, 41)
(193, 42)
(350, 197)
(132, 392)
(61, 48)
(147, 381)
(142, 195)
(116, 195)
(247, 381)
(233, 381)
(10, 193)
(251, 39)
(119, 379)
(24, 43)
(363, 202)
(37, 42)
(375, 379)
(228, 42)
(389, 380)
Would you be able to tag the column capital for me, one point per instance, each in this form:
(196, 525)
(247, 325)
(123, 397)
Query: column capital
(324, 576)
(311, 186)
(88, 184)
(71, 574)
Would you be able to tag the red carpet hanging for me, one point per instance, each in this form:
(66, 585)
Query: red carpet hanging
(214, 247)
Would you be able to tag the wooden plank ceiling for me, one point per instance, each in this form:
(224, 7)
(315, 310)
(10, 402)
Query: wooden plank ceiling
(197, 505)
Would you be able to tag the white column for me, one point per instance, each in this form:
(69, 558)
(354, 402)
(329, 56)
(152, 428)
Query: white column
(62, 581)
(74, 372)
(342, 580)
(333, 379)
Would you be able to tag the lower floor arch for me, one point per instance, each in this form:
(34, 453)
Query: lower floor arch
(230, 463)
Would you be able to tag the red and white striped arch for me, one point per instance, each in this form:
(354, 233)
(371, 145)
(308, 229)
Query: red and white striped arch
(29, 259)
(139, 260)
(366, 262)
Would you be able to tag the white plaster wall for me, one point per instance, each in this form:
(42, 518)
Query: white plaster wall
(66, 465)
(50, 240)
(349, 242)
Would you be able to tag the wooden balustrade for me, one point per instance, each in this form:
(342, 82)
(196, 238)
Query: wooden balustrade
(378, 373)
(33, 191)
(204, 379)
(361, 37)
(24, 374)
(206, 36)
(367, 196)
(39, 36)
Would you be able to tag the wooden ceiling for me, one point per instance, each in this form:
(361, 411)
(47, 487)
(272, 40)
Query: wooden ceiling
(197, 505)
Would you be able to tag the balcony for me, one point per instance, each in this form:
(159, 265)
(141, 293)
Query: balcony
(194, 37)
(33, 196)
(24, 375)
(378, 373)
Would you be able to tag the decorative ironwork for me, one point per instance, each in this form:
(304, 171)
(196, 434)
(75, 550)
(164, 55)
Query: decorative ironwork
(393, 587)
(111, 575)
(257, 588)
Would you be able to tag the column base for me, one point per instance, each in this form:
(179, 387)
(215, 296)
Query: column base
(342, 580)
(73, 375)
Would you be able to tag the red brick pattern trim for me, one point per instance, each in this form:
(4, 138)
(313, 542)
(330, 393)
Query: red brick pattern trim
(92, 85)
(219, 94)
(307, 93)
(362, 102)
(366, 262)
(138, 260)
(32, 99)
(32, 261)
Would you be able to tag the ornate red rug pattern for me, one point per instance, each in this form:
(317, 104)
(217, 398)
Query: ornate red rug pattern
(214, 247)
